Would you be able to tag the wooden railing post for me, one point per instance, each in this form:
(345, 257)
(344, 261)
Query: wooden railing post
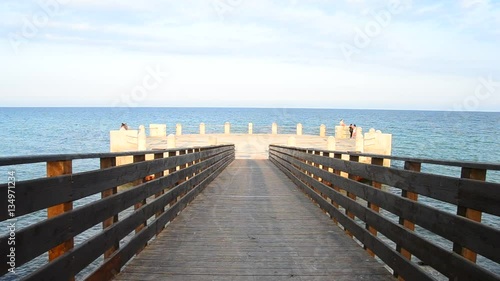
(318, 153)
(475, 174)
(139, 158)
(326, 168)
(410, 166)
(336, 188)
(54, 169)
(108, 163)
(375, 208)
(180, 167)
(159, 175)
(184, 152)
(353, 158)
(172, 170)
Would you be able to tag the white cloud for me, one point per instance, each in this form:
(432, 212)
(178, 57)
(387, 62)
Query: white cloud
(257, 48)
(430, 9)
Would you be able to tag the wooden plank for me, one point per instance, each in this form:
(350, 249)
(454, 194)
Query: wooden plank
(34, 195)
(249, 230)
(130, 249)
(388, 255)
(449, 226)
(431, 254)
(87, 252)
(457, 191)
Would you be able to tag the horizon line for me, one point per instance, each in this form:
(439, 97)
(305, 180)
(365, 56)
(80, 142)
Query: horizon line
(255, 107)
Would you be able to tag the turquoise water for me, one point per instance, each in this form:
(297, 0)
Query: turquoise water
(449, 135)
(471, 136)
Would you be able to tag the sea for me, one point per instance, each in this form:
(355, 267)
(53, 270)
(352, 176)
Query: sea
(446, 135)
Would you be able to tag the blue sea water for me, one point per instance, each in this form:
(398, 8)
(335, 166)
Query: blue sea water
(470, 136)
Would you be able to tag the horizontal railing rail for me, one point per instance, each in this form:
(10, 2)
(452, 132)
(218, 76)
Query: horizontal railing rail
(156, 189)
(403, 219)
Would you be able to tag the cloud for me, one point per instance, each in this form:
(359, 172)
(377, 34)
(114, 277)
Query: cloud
(426, 39)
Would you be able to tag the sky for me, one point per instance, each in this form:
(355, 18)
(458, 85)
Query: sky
(361, 54)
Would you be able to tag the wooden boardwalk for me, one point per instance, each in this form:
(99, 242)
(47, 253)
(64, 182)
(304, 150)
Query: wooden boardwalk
(252, 223)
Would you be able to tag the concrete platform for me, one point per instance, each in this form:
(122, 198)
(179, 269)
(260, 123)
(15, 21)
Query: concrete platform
(255, 146)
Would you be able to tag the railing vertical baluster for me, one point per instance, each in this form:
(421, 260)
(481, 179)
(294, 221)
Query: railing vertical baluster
(193, 162)
(374, 207)
(180, 167)
(138, 205)
(327, 169)
(353, 158)
(159, 175)
(54, 169)
(336, 188)
(197, 161)
(108, 163)
(476, 174)
(172, 170)
(316, 177)
(416, 167)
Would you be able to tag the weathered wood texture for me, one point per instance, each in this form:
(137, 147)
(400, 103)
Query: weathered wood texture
(252, 223)
(356, 200)
(155, 201)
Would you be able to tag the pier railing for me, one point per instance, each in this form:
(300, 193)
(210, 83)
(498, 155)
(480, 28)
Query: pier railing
(125, 218)
(397, 214)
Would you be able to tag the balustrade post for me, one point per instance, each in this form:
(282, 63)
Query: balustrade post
(274, 129)
(299, 129)
(322, 130)
(202, 128)
(108, 163)
(178, 129)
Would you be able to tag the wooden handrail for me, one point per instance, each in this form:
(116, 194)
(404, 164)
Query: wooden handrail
(178, 179)
(452, 163)
(30, 159)
(468, 236)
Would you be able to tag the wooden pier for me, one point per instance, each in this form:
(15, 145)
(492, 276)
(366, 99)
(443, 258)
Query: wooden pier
(302, 214)
(251, 223)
